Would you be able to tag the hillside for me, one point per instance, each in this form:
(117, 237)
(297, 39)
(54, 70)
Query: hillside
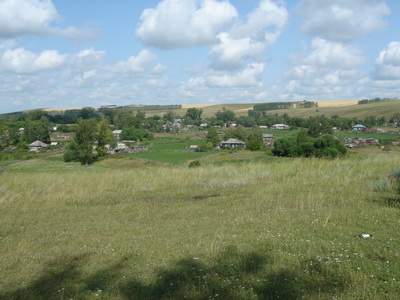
(266, 229)
(342, 108)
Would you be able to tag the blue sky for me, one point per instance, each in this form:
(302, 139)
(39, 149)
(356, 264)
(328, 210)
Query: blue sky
(92, 53)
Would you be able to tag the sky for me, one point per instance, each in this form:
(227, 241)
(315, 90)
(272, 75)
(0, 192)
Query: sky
(91, 53)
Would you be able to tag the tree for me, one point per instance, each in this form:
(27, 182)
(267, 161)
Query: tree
(238, 133)
(212, 136)
(320, 126)
(135, 134)
(194, 113)
(36, 130)
(124, 119)
(104, 137)
(255, 141)
(85, 139)
(169, 116)
(87, 113)
(225, 115)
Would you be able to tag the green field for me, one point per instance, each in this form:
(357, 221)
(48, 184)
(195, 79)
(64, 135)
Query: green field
(244, 225)
(377, 109)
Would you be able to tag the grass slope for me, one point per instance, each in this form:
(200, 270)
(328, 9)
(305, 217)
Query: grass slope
(277, 228)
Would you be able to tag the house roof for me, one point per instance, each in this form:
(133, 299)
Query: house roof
(117, 131)
(267, 135)
(38, 144)
(233, 141)
(359, 126)
(280, 125)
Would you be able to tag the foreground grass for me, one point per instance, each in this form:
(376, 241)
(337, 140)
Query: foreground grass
(123, 229)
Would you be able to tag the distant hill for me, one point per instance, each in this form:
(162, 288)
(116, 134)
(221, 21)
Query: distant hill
(342, 108)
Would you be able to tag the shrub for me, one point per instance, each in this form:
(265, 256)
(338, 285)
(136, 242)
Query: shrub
(194, 164)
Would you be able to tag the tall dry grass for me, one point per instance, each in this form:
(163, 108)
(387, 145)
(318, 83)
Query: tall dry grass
(252, 228)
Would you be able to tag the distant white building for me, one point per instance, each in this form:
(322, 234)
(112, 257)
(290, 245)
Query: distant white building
(280, 126)
(117, 133)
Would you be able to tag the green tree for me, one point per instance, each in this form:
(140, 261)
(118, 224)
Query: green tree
(194, 113)
(85, 139)
(320, 126)
(87, 113)
(238, 132)
(124, 119)
(254, 141)
(225, 115)
(169, 116)
(36, 130)
(212, 136)
(135, 134)
(104, 137)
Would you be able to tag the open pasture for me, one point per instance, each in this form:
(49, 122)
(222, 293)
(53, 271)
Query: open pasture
(272, 228)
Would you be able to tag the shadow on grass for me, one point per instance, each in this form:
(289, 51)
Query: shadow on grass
(230, 275)
(389, 201)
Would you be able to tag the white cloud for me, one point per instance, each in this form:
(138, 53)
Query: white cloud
(34, 17)
(23, 61)
(249, 40)
(387, 65)
(342, 20)
(135, 64)
(265, 23)
(184, 23)
(333, 55)
(231, 54)
(250, 76)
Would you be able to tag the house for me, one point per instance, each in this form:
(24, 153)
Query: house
(268, 140)
(194, 147)
(117, 133)
(359, 127)
(37, 146)
(233, 143)
(21, 130)
(263, 127)
(280, 126)
(268, 137)
(232, 124)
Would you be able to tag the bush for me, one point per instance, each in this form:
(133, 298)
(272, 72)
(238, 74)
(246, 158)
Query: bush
(194, 164)
(323, 146)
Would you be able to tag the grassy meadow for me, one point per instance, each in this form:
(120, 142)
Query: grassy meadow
(254, 227)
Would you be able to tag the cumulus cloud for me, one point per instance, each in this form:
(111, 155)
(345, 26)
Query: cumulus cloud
(184, 23)
(387, 65)
(249, 39)
(231, 54)
(248, 77)
(23, 61)
(34, 17)
(135, 64)
(342, 20)
(265, 23)
(333, 55)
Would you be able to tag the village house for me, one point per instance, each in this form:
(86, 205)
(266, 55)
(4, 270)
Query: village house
(117, 133)
(37, 146)
(280, 126)
(268, 140)
(194, 148)
(233, 143)
(359, 127)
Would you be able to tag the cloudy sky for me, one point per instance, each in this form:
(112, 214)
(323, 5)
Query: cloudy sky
(57, 53)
